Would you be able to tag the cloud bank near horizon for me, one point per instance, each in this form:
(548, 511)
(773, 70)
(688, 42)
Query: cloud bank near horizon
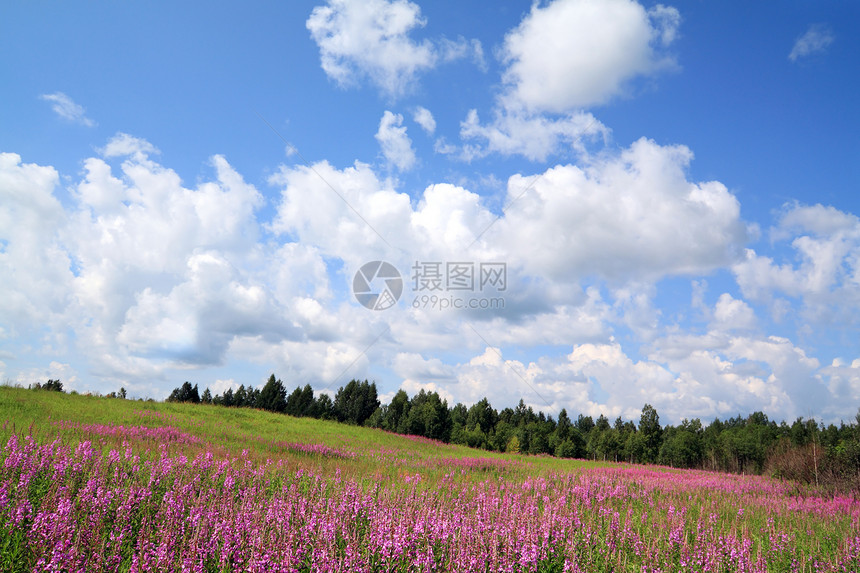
(145, 277)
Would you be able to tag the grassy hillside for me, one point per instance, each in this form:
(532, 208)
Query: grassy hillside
(261, 435)
(99, 484)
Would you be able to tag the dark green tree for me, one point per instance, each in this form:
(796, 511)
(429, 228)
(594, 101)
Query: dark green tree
(251, 396)
(562, 430)
(356, 402)
(584, 424)
(51, 386)
(482, 414)
(185, 393)
(459, 415)
(602, 424)
(273, 396)
(324, 407)
(301, 403)
(240, 397)
(651, 432)
(395, 414)
(573, 446)
(682, 446)
(429, 417)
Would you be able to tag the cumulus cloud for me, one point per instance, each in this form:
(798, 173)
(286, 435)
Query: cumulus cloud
(67, 109)
(371, 39)
(34, 263)
(631, 219)
(123, 144)
(365, 210)
(563, 57)
(843, 382)
(824, 271)
(571, 54)
(152, 277)
(631, 215)
(733, 314)
(682, 375)
(815, 40)
(728, 374)
(395, 143)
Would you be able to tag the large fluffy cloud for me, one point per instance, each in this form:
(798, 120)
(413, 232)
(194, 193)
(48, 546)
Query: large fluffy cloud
(563, 57)
(147, 277)
(632, 215)
(34, 264)
(576, 53)
(162, 270)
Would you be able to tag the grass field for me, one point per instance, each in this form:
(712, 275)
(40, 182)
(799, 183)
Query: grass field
(99, 484)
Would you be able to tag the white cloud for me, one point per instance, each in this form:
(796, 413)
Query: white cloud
(123, 144)
(571, 54)
(816, 219)
(34, 264)
(733, 314)
(843, 382)
(565, 56)
(535, 137)
(165, 275)
(625, 216)
(395, 143)
(726, 374)
(100, 190)
(683, 376)
(325, 364)
(151, 278)
(704, 376)
(815, 40)
(451, 50)
(371, 38)
(424, 118)
(825, 271)
(65, 373)
(634, 306)
(309, 210)
(67, 109)
(221, 386)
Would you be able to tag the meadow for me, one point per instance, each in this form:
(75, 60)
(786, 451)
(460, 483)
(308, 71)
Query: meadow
(99, 484)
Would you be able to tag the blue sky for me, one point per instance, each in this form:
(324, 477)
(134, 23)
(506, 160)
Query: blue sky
(187, 192)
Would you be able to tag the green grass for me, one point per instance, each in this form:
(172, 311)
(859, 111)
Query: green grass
(643, 501)
(260, 434)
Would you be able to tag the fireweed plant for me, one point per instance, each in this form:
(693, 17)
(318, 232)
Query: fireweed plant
(162, 489)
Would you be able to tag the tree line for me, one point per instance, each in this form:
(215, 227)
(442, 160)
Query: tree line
(803, 450)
